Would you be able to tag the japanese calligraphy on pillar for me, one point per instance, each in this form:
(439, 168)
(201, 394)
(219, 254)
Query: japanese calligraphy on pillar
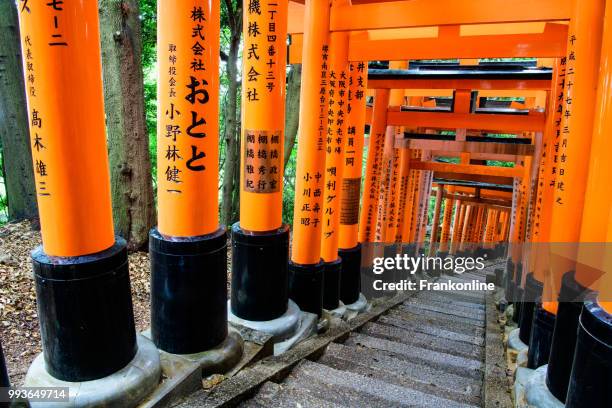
(566, 100)
(262, 161)
(375, 149)
(337, 124)
(263, 99)
(262, 167)
(63, 87)
(310, 212)
(51, 15)
(336, 129)
(187, 151)
(550, 152)
(353, 150)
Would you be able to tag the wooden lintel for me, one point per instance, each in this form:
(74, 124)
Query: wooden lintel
(477, 156)
(479, 178)
(534, 121)
(516, 171)
(480, 200)
(452, 146)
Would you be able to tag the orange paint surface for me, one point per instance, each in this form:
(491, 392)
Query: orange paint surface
(263, 116)
(353, 156)
(188, 111)
(310, 167)
(337, 125)
(582, 68)
(63, 77)
(369, 208)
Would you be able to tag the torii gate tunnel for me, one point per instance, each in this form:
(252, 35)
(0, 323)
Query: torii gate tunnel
(402, 104)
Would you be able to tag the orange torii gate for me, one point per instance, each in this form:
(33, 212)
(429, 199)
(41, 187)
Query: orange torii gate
(538, 30)
(81, 270)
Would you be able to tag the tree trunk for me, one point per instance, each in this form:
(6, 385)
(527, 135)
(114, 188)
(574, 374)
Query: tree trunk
(14, 132)
(292, 109)
(231, 169)
(128, 140)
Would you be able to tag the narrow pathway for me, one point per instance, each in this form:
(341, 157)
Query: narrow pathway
(428, 351)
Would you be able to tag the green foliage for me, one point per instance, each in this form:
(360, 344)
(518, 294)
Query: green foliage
(289, 188)
(148, 18)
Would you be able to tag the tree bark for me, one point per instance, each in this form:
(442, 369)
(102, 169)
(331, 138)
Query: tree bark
(292, 109)
(14, 131)
(231, 169)
(128, 140)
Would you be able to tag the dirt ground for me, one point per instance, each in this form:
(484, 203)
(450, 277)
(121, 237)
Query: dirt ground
(18, 316)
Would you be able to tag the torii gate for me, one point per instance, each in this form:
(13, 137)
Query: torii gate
(405, 30)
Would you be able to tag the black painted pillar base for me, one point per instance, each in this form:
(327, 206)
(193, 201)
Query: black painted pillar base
(499, 277)
(306, 287)
(350, 280)
(188, 291)
(591, 376)
(4, 378)
(564, 336)
(332, 272)
(533, 290)
(518, 292)
(541, 337)
(442, 254)
(410, 250)
(509, 281)
(259, 273)
(518, 304)
(85, 312)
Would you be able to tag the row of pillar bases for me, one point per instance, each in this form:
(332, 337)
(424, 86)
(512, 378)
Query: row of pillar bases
(87, 325)
(570, 351)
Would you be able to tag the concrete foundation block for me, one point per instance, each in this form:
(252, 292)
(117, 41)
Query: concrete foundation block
(125, 388)
(360, 306)
(339, 312)
(522, 358)
(521, 377)
(515, 343)
(215, 361)
(307, 328)
(281, 328)
(537, 394)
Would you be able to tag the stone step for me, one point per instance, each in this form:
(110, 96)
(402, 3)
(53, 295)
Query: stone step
(463, 366)
(285, 396)
(443, 299)
(469, 311)
(437, 319)
(359, 391)
(422, 340)
(378, 364)
(432, 329)
(467, 297)
(437, 313)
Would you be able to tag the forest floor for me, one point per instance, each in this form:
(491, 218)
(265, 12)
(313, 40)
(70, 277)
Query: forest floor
(19, 331)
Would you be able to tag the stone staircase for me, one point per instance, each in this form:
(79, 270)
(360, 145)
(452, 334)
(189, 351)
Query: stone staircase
(429, 351)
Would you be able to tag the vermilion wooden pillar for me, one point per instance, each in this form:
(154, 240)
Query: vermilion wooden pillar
(445, 236)
(349, 246)
(305, 267)
(81, 270)
(589, 382)
(188, 249)
(260, 240)
(581, 80)
(337, 125)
